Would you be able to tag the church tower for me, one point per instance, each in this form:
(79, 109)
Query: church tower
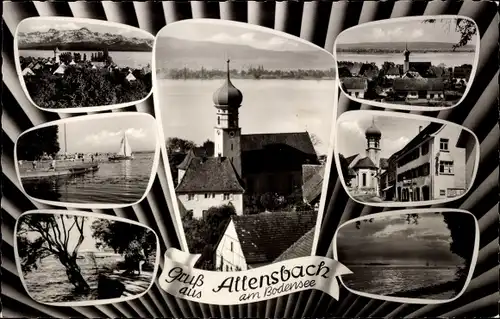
(373, 136)
(406, 65)
(227, 100)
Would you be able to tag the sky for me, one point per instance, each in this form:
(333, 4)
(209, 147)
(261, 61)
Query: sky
(87, 244)
(392, 240)
(404, 31)
(271, 106)
(105, 134)
(43, 25)
(235, 34)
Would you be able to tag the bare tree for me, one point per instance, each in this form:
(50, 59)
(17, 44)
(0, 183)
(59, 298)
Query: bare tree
(53, 239)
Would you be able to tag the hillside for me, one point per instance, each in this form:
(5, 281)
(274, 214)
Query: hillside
(400, 47)
(81, 40)
(210, 55)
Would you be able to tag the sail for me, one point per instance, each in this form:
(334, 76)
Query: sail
(125, 149)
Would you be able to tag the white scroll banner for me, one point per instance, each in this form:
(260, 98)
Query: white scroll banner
(181, 280)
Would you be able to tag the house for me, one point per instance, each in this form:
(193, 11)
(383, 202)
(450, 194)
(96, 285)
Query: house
(393, 73)
(206, 182)
(411, 75)
(312, 176)
(431, 166)
(130, 77)
(261, 163)
(388, 179)
(415, 88)
(60, 69)
(251, 241)
(462, 73)
(355, 86)
(27, 72)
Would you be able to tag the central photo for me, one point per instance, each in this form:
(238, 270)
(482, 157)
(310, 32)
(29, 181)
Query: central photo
(246, 114)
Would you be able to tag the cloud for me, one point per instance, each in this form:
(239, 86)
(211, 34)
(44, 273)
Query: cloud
(417, 33)
(46, 27)
(388, 35)
(250, 39)
(351, 127)
(106, 137)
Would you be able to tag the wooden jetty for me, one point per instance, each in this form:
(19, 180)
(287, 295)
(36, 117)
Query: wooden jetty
(76, 169)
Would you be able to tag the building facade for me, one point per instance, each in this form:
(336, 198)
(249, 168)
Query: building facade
(431, 166)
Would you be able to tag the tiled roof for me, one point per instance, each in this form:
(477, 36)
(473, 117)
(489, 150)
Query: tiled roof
(211, 174)
(431, 84)
(192, 153)
(365, 162)
(312, 182)
(393, 71)
(301, 248)
(265, 236)
(354, 83)
(298, 140)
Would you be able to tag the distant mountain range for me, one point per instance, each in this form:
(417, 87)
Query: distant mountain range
(400, 47)
(81, 40)
(173, 53)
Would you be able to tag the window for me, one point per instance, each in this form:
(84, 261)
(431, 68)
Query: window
(231, 246)
(231, 146)
(227, 268)
(364, 179)
(443, 144)
(205, 212)
(209, 195)
(442, 192)
(218, 120)
(190, 196)
(356, 94)
(446, 167)
(425, 148)
(226, 197)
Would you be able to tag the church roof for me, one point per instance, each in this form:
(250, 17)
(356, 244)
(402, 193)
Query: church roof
(227, 96)
(365, 162)
(351, 158)
(301, 248)
(209, 174)
(373, 130)
(312, 182)
(260, 239)
(299, 140)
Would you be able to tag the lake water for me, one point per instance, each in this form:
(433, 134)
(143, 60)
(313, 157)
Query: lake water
(49, 283)
(388, 280)
(436, 58)
(121, 182)
(269, 106)
(133, 59)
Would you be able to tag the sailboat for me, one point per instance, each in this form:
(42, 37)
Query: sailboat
(124, 152)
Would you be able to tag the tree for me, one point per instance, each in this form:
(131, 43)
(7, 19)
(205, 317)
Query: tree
(53, 233)
(84, 57)
(65, 57)
(465, 27)
(33, 144)
(176, 144)
(344, 166)
(315, 140)
(209, 147)
(132, 241)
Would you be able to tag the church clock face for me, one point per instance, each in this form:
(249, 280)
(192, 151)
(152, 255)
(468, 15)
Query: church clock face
(231, 134)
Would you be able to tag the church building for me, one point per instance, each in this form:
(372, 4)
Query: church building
(366, 169)
(242, 164)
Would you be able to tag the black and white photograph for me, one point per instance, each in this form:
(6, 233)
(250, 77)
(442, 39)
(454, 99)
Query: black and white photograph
(100, 159)
(426, 62)
(71, 63)
(404, 159)
(70, 257)
(409, 254)
(246, 113)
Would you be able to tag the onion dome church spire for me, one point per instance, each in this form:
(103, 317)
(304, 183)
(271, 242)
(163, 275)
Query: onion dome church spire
(227, 96)
(373, 136)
